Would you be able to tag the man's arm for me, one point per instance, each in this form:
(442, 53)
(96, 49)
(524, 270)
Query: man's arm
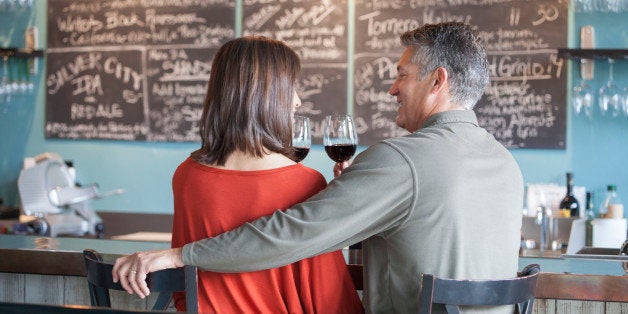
(371, 196)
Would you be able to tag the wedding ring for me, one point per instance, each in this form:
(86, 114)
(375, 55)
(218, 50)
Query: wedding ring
(133, 271)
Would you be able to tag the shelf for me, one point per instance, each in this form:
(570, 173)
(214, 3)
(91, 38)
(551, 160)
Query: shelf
(593, 53)
(20, 52)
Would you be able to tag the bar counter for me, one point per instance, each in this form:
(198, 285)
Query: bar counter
(46, 270)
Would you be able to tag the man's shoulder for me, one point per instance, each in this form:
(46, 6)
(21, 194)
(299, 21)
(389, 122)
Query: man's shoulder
(387, 150)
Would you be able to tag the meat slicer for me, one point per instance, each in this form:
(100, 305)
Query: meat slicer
(58, 206)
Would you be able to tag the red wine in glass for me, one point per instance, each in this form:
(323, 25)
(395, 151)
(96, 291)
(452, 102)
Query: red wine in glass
(339, 137)
(300, 153)
(340, 152)
(301, 137)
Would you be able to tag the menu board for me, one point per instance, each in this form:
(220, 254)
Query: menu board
(524, 105)
(131, 70)
(137, 69)
(317, 31)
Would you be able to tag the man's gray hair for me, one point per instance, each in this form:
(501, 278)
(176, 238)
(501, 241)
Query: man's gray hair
(457, 48)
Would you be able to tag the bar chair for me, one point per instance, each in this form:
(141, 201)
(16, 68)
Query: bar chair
(453, 293)
(165, 282)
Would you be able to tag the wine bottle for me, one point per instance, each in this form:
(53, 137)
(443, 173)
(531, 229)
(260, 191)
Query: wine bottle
(569, 205)
(589, 222)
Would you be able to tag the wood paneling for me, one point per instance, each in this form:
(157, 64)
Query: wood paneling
(12, 287)
(48, 289)
(44, 289)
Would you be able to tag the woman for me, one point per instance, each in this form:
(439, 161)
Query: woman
(243, 171)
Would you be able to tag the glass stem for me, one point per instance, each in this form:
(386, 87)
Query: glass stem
(610, 70)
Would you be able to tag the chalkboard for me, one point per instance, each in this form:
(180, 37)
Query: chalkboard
(317, 31)
(137, 70)
(524, 106)
(131, 70)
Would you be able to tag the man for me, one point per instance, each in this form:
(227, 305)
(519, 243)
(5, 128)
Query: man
(445, 199)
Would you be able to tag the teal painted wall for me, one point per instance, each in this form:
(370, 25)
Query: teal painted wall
(596, 151)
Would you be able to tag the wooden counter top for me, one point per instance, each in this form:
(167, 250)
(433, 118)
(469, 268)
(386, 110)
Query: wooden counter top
(60, 256)
(567, 279)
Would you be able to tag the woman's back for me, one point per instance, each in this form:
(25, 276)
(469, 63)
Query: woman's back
(210, 201)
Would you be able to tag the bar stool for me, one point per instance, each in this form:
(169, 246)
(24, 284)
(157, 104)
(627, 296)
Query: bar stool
(454, 293)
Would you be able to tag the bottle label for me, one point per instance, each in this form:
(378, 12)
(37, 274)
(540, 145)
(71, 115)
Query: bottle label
(564, 213)
(615, 211)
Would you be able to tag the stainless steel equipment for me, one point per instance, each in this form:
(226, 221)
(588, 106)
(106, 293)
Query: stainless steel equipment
(49, 193)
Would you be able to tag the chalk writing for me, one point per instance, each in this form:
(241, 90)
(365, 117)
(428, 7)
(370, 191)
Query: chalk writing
(131, 69)
(524, 105)
(317, 31)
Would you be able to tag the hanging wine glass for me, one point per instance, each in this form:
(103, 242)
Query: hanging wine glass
(607, 5)
(301, 137)
(583, 5)
(610, 95)
(582, 99)
(612, 5)
(5, 88)
(11, 5)
(625, 102)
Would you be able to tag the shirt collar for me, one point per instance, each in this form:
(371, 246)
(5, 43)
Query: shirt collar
(451, 116)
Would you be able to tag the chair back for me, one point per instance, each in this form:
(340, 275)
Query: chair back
(165, 282)
(453, 293)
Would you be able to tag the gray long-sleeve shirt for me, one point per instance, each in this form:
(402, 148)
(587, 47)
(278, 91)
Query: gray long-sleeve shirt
(446, 200)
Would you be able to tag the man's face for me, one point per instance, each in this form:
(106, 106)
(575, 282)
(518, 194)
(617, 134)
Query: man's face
(415, 101)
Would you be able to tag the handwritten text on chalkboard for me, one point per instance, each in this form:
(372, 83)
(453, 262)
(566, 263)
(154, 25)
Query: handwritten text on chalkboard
(524, 106)
(131, 70)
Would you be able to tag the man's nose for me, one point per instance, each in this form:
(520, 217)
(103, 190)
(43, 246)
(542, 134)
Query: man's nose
(393, 90)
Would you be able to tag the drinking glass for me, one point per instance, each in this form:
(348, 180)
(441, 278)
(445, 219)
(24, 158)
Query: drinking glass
(582, 100)
(610, 95)
(609, 5)
(301, 137)
(25, 4)
(625, 102)
(5, 87)
(339, 137)
(583, 5)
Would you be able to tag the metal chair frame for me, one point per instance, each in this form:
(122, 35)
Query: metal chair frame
(454, 293)
(165, 282)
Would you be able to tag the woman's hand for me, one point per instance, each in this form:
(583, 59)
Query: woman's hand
(131, 270)
(340, 166)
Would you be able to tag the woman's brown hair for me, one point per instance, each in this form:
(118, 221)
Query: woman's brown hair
(248, 105)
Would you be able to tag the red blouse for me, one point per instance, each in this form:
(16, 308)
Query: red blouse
(209, 201)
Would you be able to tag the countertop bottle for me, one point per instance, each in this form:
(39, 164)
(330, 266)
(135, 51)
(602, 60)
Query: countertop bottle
(612, 206)
(569, 206)
(589, 222)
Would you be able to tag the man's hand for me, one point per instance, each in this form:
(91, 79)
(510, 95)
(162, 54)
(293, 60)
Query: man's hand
(131, 270)
(340, 166)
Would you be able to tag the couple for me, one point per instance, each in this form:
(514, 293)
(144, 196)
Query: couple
(445, 199)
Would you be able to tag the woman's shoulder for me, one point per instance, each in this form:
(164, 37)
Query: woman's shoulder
(310, 171)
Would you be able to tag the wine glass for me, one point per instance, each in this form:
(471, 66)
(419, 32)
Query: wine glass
(582, 100)
(583, 5)
(610, 95)
(609, 5)
(5, 87)
(625, 101)
(339, 137)
(301, 137)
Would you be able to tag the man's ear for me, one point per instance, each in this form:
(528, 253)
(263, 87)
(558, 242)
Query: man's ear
(440, 78)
